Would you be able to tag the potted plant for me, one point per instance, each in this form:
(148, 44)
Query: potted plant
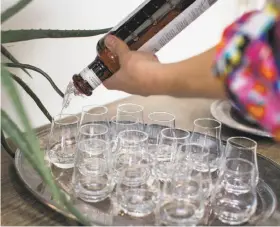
(26, 140)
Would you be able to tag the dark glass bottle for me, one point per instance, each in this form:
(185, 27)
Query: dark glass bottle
(148, 28)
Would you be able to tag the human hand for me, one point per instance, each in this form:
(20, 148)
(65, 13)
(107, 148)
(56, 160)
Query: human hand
(139, 73)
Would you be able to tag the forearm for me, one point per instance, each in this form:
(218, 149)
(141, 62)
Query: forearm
(193, 77)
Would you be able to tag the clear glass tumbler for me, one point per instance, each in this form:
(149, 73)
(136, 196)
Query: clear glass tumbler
(131, 109)
(234, 199)
(245, 148)
(131, 150)
(156, 122)
(137, 191)
(182, 202)
(207, 132)
(92, 176)
(94, 130)
(94, 114)
(196, 157)
(169, 141)
(123, 122)
(62, 141)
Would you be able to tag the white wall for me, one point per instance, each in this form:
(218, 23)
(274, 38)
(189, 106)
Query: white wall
(61, 58)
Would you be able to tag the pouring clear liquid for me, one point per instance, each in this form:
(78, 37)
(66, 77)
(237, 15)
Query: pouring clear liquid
(69, 94)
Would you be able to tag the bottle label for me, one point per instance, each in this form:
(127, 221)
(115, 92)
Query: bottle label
(176, 25)
(88, 75)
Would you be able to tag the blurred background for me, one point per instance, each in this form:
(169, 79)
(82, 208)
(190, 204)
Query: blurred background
(61, 58)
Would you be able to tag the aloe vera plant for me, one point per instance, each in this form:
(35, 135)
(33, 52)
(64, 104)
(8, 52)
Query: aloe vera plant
(9, 56)
(12, 36)
(26, 140)
(29, 144)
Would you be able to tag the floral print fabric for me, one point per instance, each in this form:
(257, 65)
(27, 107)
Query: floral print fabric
(248, 61)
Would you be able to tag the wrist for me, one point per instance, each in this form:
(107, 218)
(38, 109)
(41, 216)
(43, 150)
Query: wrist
(167, 77)
(163, 80)
(193, 77)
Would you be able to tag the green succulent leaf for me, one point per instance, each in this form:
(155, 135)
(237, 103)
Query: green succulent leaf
(22, 142)
(33, 155)
(19, 139)
(8, 55)
(25, 35)
(6, 146)
(33, 68)
(12, 91)
(33, 96)
(29, 144)
(14, 9)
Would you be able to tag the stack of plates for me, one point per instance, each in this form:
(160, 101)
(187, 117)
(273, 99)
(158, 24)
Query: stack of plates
(223, 111)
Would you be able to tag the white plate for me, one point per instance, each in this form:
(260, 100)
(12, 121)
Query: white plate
(221, 111)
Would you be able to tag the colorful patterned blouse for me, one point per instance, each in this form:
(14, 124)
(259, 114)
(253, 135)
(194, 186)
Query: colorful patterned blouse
(248, 61)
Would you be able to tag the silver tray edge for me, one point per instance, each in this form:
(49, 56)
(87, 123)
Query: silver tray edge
(51, 205)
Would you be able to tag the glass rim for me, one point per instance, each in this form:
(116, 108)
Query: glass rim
(84, 111)
(161, 112)
(236, 171)
(146, 136)
(75, 119)
(85, 150)
(131, 104)
(93, 134)
(195, 122)
(170, 137)
(114, 120)
(230, 141)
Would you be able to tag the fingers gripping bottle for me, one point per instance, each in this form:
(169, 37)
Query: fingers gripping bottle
(148, 28)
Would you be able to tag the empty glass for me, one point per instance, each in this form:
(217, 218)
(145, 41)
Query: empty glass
(94, 114)
(245, 148)
(169, 141)
(131, 150)
(123, 122)
(133, 138)
(92, 177)
(234, 199)
(137, 191)
(156, 122)
(182, 201)
(132, 110)
(207, 132)
(196, 158)
(91, 131)
(62, 141)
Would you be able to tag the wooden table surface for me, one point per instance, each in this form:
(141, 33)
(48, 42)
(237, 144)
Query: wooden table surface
(19, 207)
